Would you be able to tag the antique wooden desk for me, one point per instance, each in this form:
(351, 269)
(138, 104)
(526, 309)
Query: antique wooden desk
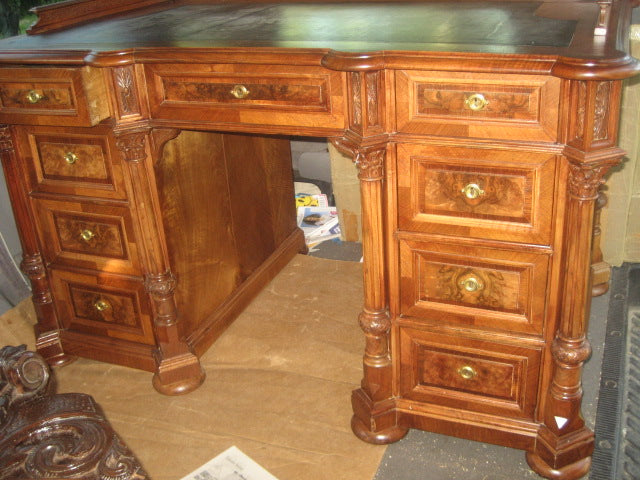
(144, 143)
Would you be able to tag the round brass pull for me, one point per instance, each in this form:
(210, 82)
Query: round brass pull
(471, 284)
(33, 96)
(476, 102)
(70, 158)
(472, 191)
(240, 91)
(467, 372)
(87, 235)
(101, 305)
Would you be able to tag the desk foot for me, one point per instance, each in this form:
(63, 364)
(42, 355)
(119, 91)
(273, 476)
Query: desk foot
(178, 375)
(375, 423)
(572, 471)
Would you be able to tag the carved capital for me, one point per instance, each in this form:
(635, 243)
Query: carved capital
(585, 179)
(133, 146)
(571, 353)
(160, 285)
(368, 159)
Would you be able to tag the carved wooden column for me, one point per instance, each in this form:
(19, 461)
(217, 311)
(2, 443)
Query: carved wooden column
(178, 368)
(48, 327)
(564, 445)
(375, 418)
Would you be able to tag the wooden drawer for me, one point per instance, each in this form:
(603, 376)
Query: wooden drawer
(518, 107)
(103, 305)
(469, 373)
(474, 192)
(53, 96)
(248, 94)
(473, 285)
(87, 235)
(73, 161)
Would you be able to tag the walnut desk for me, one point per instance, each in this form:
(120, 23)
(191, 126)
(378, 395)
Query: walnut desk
(145, 146)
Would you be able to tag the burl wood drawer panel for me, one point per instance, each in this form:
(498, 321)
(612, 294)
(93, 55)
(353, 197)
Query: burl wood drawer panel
(248, 94)
(475, 192)
(469, 373)
(478, 286)
(103, 305)
(87, 235)
(518, 107)
(73, 161)
(53, 96)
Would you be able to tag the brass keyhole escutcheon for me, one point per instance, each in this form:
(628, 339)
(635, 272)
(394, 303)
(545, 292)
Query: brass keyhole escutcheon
(467, 372)
(471, 284)
(240, 91)
(87, 235)
(33, 96)
(101, 305)
(70, 158)
(472, 191)
(476, 102)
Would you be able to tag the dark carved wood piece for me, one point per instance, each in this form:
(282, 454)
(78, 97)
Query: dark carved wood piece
(49, 435)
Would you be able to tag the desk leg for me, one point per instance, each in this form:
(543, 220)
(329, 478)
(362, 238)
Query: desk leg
(178, 369)
(565, 444)
(375, 418)
(48, 328)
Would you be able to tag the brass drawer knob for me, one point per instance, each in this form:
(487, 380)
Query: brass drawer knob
(87, 235)
(240, 91)
(472, 191)
(471, 284)
(33, 96)
(70, 158)
(476, 102)
(467, 372)
(101, 305)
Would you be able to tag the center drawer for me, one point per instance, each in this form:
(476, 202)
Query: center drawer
(302, 96)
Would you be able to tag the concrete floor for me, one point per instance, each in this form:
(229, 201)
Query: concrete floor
(429, 456)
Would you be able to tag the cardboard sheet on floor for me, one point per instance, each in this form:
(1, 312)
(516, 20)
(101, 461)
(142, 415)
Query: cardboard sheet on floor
(278, 384)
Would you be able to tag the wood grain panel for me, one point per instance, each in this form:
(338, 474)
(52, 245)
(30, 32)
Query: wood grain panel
(227, 205)
(301, 96)
(523, 107)
(103, 305)
(482, 193)
(87, 235)
(468, 373)
(491, 288)
(47, 96)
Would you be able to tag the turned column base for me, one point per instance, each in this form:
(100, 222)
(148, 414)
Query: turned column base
(49, 347)
(375, 423)
(572, 471)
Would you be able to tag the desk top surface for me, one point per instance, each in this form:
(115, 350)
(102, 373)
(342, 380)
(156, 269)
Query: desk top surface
(558, 28)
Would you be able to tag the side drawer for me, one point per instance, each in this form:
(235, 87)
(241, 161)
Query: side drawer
(103, 305)
(472, 285)
(468, 373)
(302, 96)
(517, 107)
(87, 235)
(53, 96)
(72, 161)
(474, 192)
